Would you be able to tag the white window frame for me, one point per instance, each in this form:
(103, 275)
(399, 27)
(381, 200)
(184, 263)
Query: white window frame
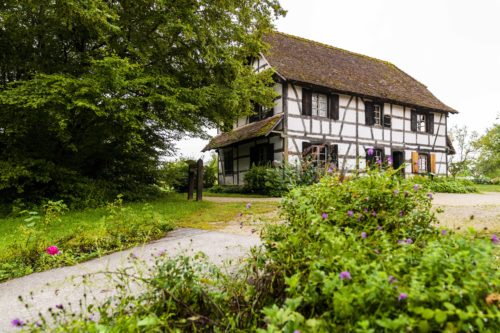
(377, 114)
(319, 105)
(423, 163)
(421, 123)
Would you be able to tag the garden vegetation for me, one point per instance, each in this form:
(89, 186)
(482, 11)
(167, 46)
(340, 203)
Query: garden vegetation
(355, 255)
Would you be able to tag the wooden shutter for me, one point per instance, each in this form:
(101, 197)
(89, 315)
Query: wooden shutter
(333, 107)
(270, 153)
(305, 146)
(369, 117)
(433, 163)
(413, 120)
(306, 102)
(414, 162)
(430, 123)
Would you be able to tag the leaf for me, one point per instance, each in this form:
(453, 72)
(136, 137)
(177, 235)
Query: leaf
(148, 321)
(440, 316)
(428, 313)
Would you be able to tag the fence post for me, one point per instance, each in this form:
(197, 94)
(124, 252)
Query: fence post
(191, 179)
(199, 175)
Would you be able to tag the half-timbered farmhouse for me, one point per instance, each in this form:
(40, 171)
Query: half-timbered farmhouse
(338, 108)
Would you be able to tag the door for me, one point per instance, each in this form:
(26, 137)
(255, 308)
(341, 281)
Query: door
(398, 159)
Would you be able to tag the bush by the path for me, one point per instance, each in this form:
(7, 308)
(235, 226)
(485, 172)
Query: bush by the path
(447, 184)
(353, 256)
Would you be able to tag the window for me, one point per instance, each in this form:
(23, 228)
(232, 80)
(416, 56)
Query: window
(421, 123)
(260, 112)
(423, 162)
(315, 153)
(262, 154)
(377, 115)
(319, 105)
(228, 162)
(374, 156)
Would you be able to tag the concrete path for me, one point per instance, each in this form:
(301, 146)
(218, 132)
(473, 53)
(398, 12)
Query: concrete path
(63, 285)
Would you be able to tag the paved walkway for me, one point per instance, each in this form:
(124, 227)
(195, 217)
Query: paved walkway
(62, 285)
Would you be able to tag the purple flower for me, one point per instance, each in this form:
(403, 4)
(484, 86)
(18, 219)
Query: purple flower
(248, 205)
(17, 322)
(345, 275)
(296, 331)
(379, 162)
(494, 239)
(429, 195)
(401, 213)
(392, 279)
(415, 187)
(363, 235)
(409, 241)
(400, 241)
(365, 210)
(374, 213)
(370, 151)
(59, 306)
(330, 171)
(324, 216)
(396, 192)
(379, 227)
(444, 232)
(389, 160)
(402, 296)
(350, 213)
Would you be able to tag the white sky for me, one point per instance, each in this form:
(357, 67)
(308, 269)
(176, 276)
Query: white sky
(451, 46)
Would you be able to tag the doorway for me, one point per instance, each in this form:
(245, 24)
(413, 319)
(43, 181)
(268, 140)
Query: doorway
(398, 159)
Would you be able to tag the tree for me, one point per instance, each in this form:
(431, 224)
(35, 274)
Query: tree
(488, 146)
(97, 90)
(463, 161)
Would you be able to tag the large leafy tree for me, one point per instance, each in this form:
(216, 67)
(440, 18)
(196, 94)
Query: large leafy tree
(488, 145)
(97, 90)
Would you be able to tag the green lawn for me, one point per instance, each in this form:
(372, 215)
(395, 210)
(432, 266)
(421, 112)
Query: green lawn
(488, 188)
(82, 235)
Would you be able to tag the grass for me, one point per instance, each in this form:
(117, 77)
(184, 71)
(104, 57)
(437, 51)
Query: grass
(93, 232)
(488, 188)
(234, 195)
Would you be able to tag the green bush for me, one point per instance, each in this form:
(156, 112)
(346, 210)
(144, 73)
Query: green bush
(358, 255)
(229, 189)
(447, 184)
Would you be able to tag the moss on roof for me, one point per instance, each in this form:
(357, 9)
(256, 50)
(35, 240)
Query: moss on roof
(303, 60)
(246, 132)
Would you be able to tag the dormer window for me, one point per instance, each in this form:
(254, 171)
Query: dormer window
(261, 112)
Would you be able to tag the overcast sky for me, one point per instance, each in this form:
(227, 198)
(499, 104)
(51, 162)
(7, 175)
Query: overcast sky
(451, 46)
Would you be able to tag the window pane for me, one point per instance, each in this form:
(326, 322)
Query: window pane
(319, 105)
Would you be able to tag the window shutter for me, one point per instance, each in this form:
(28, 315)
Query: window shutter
(270, 152)
(387, 121)
(414, 162)
(413, 121)
(306, 102)
(430, 123)
(369, 117)
(334, 155)
(333, 105)
(433, 163)
(305, 146)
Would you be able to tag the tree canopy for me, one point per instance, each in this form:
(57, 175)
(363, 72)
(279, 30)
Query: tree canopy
(97, 90)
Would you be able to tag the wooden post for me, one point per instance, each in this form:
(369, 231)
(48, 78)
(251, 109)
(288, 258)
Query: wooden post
(191, 180)
(199, 174)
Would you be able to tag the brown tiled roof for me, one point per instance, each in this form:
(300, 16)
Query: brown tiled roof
(306, 61)
(246, 132)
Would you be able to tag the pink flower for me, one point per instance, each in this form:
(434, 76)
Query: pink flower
(402, 296)
(345, 275)
(52, 250)
(494, 239)
(324, 216)
(350, 213)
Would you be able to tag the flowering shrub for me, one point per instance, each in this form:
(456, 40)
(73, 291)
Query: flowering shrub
(353, 256)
